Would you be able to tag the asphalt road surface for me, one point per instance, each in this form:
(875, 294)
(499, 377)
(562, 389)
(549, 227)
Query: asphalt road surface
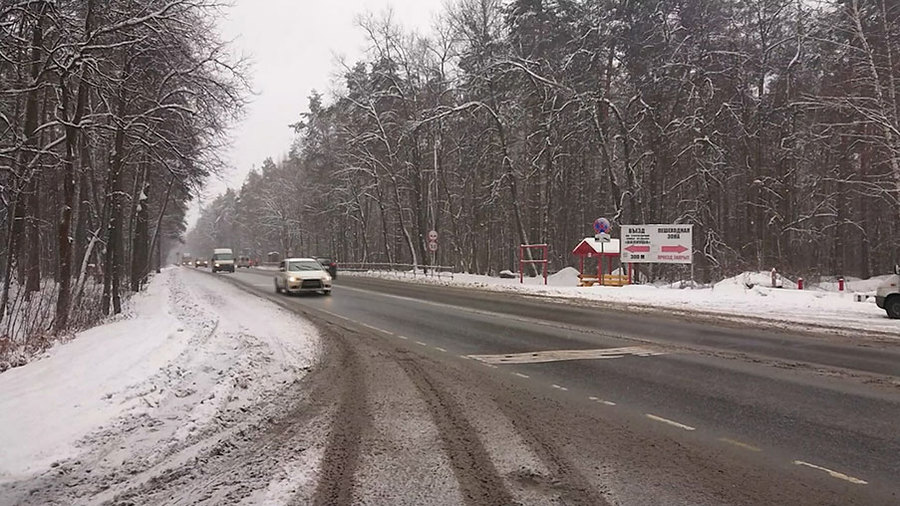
(534, 400)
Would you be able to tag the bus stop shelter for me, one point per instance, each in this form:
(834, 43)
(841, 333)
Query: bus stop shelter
(591, 247)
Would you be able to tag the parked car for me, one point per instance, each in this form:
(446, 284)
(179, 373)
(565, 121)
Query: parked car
(201, 263)
(298, 275)
(244, 262)
(329, 265)
(222, 260)
(887, 296)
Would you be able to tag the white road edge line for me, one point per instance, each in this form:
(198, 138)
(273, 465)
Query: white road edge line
(670, 422)
(833, 474)
(521, 375)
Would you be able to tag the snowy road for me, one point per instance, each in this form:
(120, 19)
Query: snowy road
(750, 410)
(411, 394)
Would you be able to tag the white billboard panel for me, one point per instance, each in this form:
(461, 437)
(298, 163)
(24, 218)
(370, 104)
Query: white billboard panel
(657, 244)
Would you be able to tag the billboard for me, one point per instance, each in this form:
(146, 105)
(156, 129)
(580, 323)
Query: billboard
(657, 244)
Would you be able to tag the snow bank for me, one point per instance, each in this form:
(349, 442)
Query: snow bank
(748, 295)
(192, 348)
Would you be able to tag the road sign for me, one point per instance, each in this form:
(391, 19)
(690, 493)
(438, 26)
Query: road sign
(433, 236)
(432, 246)
(601, 226)
(657, 244)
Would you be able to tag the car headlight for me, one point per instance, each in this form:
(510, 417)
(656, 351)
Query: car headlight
(217, 265)
(326, 278)
(292, 278)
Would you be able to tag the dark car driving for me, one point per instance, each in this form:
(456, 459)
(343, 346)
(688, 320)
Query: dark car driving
(329, 265)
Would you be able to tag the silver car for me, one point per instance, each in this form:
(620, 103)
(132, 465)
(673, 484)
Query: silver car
(298, 275)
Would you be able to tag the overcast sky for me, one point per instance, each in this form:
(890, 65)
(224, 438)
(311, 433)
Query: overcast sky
(294, 45)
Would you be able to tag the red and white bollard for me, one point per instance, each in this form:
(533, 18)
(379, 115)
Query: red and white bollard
(799, 283)
(840, 284)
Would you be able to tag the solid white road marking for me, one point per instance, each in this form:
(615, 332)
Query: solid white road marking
(833, 474)
(740, 444)
(670, 422)
(522, 375)
(534, 357)
(564, 389)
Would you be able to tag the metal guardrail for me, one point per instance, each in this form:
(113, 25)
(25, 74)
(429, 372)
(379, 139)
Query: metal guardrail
(399, 270)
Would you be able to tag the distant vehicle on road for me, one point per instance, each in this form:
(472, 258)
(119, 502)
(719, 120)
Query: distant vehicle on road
(187, 261)
(222, 260)
(329, 265)
(887, 296)
(201, 263)
(298, 275)
(244, 262)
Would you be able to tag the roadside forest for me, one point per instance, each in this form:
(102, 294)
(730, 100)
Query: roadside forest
(111, 114)
(771, 125)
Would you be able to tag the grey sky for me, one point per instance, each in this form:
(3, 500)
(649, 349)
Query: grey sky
(294, 45)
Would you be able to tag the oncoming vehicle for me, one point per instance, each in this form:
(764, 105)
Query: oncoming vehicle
(887, 296)
(201, 263)
(299, 275)
(244, 262)
(222, 260)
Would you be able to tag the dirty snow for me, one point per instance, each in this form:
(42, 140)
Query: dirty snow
(745, 296)
(193, 352)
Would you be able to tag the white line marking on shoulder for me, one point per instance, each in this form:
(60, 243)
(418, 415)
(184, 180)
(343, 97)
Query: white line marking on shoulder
(440, 349)
(740, 444)
(670, 422)
(420, 343)
(564, 389)
(404, 338)
(833, 474)
(521, 375)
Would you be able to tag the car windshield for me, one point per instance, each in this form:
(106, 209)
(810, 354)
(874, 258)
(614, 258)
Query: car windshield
(223, 256)
(304, 266)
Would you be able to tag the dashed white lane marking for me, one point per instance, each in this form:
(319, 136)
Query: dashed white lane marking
(440, 349)
(670, 422)
(564, 389)
(601, 401)
(534, 357)
(420, 343)
(521, 375)
(740, 444)
(404, 338)
(833, 474)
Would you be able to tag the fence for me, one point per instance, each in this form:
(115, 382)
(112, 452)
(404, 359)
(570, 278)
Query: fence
(399, 270)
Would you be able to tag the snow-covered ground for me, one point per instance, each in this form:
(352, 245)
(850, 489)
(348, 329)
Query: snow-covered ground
(192, 355)
(746, 296)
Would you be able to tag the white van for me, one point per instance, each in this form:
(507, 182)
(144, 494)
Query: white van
(887, 296)
(222, 260)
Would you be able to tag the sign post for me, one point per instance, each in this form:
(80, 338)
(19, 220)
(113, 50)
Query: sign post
(433, 247)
